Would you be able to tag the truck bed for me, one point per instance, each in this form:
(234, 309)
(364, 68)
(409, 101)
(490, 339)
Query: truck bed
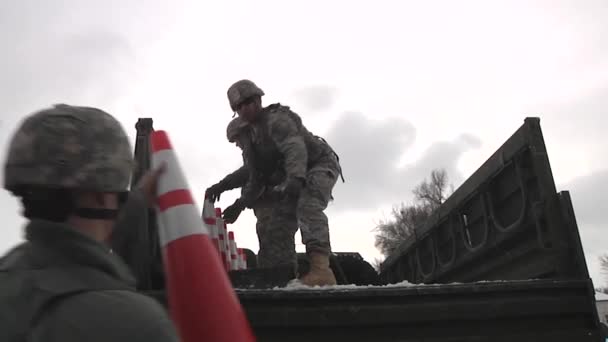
(506, 223)
(527, 310)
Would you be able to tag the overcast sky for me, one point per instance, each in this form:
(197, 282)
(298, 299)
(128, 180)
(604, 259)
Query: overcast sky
(397, 87)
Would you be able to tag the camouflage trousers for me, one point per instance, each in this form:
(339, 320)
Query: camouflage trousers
(276, 227)
(278, 220)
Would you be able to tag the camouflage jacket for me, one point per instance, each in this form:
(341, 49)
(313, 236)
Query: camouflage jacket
(61, 285)
(279, 147)
(236, 179)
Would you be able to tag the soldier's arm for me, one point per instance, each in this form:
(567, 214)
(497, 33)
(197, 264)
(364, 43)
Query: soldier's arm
(251, 188)
(284, 132)
(236, 179)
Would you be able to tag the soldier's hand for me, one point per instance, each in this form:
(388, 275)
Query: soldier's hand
(233, 211)
(290, 188)
(214, 192)
(294, 187)
(149, 183)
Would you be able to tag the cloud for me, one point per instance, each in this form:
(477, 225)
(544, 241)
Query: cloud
(76, 51)
(589, 110)
(83, 69)
(91, 53)
(574, 131)
(590, 201)
(590, 24)
(316, 98)
(64, 52)
(589, 195)
(91, 69)
(369, 154)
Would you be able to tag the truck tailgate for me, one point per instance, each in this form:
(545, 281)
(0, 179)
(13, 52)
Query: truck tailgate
(528, 310)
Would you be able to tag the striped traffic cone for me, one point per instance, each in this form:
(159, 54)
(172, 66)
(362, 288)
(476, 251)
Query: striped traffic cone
(222, 246)
(223, 240)
(210, 223)
(242, 259)
(233, 252)
(228, 258)
(201, 300)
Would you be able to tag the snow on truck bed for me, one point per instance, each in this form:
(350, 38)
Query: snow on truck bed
(296, 286)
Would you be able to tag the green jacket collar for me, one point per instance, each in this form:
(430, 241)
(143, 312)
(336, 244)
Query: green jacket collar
(60, 245)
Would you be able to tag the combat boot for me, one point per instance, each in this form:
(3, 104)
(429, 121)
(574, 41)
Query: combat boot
(320, 273)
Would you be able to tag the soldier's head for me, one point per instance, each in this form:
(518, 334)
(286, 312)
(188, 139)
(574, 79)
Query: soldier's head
(70, 164)
(245, 99)
(235, 129)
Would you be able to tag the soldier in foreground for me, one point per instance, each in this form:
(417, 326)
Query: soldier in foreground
(71, 167)
(279, 141)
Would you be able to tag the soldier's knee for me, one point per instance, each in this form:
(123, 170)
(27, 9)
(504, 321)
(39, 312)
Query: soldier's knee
(311, 209)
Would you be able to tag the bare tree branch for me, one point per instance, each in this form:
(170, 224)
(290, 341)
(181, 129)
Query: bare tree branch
(376, 264)
(433, 192)
(428, 196)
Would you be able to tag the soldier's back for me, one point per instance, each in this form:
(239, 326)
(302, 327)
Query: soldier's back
(111, 315)
(61, 285)
(282, 122)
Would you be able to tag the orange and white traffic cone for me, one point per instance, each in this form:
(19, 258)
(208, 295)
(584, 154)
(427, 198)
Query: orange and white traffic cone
(222, 246)
(242, 259)
(228, 258)
(201, 300)
(223, 242)
(210, 223)
(233, 252)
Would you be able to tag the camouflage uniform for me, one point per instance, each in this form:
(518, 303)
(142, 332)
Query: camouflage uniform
(236, 132)
(61, 284)
(280, 141)
(262, 205)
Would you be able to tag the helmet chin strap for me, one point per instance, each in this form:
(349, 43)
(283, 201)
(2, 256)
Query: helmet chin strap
(102, 214)
(97, 213)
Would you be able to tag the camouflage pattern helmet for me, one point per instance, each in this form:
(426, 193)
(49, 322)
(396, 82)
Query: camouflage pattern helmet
(69, 147)
(241, 91)
(234, 128)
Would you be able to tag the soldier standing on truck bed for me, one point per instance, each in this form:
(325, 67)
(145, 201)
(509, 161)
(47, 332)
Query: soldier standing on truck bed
(238, 178)
(71, 167)
(279, 141)
(237, 133)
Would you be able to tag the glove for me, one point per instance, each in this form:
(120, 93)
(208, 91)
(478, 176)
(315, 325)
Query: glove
(290, 188)
(214, 192)
(233, 211)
